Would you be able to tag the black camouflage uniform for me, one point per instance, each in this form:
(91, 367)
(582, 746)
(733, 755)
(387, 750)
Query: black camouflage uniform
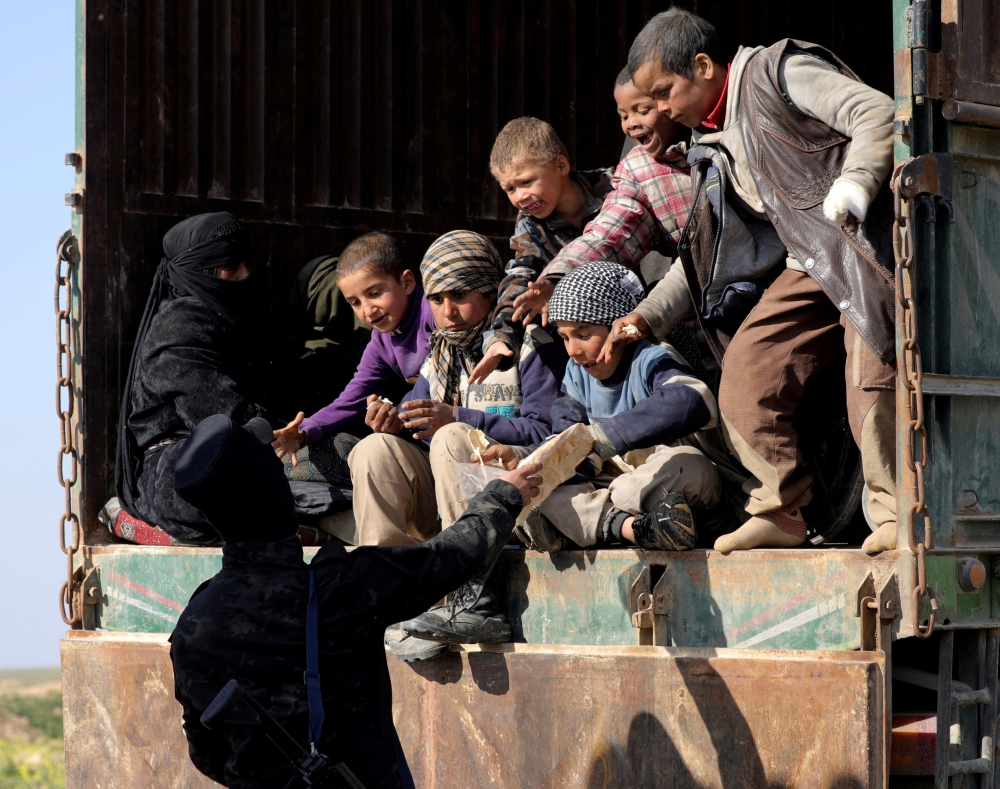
(248, 622)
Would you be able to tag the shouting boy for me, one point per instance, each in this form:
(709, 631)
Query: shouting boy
(787, 252)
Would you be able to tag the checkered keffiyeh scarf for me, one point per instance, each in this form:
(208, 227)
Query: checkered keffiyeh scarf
(459, 261)
(598, 293)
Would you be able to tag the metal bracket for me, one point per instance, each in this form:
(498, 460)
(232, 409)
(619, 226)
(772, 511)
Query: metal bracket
(91, 596)
(649, 608)
(877, 607)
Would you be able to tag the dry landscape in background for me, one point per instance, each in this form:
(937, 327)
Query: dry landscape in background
(31, 729)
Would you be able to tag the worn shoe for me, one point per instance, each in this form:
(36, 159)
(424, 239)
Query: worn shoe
(471, 616)
(882, 539)
(408, 648)
(669, 526)
(538, 534)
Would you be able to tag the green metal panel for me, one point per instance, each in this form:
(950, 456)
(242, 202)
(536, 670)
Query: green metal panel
(773, 599)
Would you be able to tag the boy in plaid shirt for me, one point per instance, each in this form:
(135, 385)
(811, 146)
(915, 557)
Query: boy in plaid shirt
(554, 203)
(645, 209)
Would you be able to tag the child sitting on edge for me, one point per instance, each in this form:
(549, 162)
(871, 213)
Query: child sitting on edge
(642, 407)
(385, 295)
(401, 485)
(554, 203)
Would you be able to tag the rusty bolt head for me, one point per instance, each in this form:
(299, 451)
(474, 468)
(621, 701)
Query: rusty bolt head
(890, 606)
(94, 592)
(971, 574)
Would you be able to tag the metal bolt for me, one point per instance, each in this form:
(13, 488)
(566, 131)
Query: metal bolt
(94, 592)
(890, 606)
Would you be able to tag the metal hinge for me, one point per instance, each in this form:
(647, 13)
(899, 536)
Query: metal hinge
(877, 606)
(649, 606)
(923, 35)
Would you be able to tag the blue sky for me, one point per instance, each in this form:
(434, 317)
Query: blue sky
(36, 131)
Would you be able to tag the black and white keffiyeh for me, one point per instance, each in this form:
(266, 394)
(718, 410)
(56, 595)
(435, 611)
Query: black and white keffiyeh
(599, 293)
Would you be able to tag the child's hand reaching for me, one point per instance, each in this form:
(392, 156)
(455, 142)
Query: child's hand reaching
(501, 452)
(289, 439)
(382, 416)
(489, 362)
(534, 301)
(427, 414)
(631, 328)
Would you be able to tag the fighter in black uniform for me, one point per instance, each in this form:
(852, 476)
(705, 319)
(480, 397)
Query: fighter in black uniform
(249, 621)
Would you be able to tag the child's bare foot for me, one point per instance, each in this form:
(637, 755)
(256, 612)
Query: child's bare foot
(882, 539)
(781, 529)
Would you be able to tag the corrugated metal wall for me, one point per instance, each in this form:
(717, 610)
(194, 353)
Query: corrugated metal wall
(315, 120)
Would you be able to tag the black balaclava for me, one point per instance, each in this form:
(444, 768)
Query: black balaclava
(233, 476)
(193, 250)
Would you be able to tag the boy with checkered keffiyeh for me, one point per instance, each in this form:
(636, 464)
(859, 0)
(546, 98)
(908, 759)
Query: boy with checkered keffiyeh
(650, 481)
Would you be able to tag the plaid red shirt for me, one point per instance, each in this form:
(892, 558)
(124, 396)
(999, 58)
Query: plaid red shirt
(647, 207)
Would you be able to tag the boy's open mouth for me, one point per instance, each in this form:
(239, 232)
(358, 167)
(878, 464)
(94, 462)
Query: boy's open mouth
(382, 319)
(644, 139)
(533, 207)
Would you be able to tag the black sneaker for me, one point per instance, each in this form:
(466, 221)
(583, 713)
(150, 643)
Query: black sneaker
(471, 616)
(669, 526)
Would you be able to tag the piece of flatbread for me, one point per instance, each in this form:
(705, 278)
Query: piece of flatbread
(559, 456)
(480, 442)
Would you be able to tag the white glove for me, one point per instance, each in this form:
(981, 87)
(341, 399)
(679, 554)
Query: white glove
(845, 197)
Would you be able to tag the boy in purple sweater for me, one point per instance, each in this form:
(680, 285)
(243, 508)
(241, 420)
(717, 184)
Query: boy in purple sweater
(385, 295)
(405, 482)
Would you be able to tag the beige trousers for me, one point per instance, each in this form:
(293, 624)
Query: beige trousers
(578, 510)
(400, 489)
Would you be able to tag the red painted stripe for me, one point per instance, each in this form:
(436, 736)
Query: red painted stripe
(144, 591)
(776, 610)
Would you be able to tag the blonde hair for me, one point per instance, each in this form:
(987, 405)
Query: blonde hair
(526, 140)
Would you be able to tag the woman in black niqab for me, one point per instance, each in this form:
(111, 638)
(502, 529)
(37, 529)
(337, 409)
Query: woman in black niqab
(190, 360)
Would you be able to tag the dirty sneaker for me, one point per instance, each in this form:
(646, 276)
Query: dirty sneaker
(469, 617)
(409, 648)
(669, 526)
(538, 534)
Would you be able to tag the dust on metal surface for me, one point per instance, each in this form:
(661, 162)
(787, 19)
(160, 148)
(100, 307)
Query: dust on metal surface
(517, 715)
(122, 723)
(801, 599)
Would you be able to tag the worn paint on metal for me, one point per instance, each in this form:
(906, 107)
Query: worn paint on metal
(122, 723)
(768, 599)
(526, 715)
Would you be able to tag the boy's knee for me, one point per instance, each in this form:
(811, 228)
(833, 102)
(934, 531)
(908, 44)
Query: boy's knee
(371, 451)
(452, 441)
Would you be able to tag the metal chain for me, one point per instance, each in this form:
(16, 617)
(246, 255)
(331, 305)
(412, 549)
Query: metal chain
(67, 257)
(911, 377)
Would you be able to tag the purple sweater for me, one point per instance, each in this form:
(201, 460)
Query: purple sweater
(387, 359)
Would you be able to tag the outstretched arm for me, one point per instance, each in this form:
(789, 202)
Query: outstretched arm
(404, 581)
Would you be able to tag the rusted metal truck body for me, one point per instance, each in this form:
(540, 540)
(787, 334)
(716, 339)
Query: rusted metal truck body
(315, 121)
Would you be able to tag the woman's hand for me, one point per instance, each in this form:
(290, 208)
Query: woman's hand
(534, 301)
(382, 417)
(501, 452)
(428, 414)
(620, 335)
(289, 439)
(526, 480)
(490, 361)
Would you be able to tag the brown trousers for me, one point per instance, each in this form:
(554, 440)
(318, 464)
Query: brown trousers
(794, 333)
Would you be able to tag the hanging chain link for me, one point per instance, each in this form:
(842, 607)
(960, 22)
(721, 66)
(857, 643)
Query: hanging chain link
(67, 257)
(911, 377)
